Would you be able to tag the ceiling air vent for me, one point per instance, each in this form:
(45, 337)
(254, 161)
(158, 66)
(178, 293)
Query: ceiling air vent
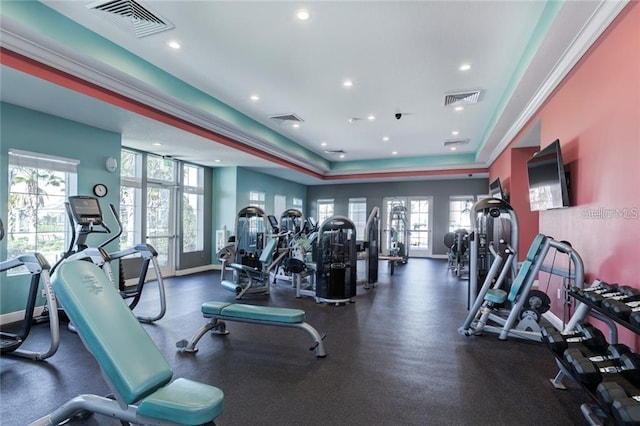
(335, 151)
(456, 142)
(142, 20)
(283, 118)
(461, 98)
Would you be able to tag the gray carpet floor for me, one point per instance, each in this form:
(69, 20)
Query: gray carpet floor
(394, 358)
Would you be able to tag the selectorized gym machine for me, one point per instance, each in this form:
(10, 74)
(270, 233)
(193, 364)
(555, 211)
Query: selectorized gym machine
(398, 239)
(336, 257)
(372, 246)
(85, 216)
(252, 252)
(38, 268)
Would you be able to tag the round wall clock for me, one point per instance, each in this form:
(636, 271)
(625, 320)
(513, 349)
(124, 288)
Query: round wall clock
(100, 190)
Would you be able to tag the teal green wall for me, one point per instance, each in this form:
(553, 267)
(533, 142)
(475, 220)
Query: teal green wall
(29, 130)
(224, 201)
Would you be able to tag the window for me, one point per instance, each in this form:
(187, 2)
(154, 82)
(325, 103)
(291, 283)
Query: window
(325, 210)
(459, 212)
(296, 203)
(358, 214)
(257, 199)
(38, 188)
(130, 198)
(192, 209)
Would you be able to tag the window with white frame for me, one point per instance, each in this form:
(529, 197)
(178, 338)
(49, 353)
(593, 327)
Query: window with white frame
(296, 203)
(460, 212)
(325, 209)
(38, 188)
(358, 214)
(192, 208)
(257, 199)
(130, 198)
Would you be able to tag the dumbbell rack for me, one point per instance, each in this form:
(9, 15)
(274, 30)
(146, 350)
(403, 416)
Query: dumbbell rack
(594, 414)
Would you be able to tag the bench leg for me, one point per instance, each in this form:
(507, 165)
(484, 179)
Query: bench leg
(215, 326)
(89, 403)
(317, 345)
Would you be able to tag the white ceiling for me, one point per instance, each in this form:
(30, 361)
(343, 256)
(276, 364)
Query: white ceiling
(402, 56)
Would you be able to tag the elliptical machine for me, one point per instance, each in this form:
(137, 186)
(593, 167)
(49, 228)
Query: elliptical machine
(38, 268)
(85, 216)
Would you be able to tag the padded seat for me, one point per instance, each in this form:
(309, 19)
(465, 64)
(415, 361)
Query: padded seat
(184, 401)
(259, 313)
(495, 295)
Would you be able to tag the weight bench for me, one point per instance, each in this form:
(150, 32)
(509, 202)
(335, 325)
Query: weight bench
(130, 362)
(265, 315)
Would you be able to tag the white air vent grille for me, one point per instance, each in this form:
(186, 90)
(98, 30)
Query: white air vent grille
(283, 118)
(456, 142)
(142, 20)
(462, 98)
(334, 151)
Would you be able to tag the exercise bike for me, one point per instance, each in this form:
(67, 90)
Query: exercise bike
(38, 268)
(85, 216)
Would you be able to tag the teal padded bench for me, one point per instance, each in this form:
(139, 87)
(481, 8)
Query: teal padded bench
(131, 363)
(265, 315)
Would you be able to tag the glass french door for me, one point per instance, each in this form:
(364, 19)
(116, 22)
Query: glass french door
(160, 225)
(419, 220)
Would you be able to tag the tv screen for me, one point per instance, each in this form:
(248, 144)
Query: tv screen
(547, 179)
(495, 189)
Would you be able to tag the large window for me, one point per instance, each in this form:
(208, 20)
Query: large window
(358, 214)
(192, 209)
(460, 212)
(296, 203)
(325, 210)
(130, 198)
(257, 199)
(38, 188)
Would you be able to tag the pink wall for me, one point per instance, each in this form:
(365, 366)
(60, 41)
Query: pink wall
(595, 113)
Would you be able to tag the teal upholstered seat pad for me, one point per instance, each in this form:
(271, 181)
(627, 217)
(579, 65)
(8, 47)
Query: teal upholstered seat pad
(213, 308)
(122, 347)
(185, 402)
(260, 313)
(495, 295)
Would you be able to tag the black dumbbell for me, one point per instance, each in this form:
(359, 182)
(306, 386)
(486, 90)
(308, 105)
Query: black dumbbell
(590, 373)
(586, 334)
(621, 309)
(614, 352)
(626, 411)
(629, 294)
(621, 293)
(615, 390)
(600, 287)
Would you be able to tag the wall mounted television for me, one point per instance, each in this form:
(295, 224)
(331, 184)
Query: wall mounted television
(548, 187)
(495, 189)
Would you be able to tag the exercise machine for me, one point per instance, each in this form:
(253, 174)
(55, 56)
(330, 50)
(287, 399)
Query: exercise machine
(253, 253)
(86, 218)
(457, 243)
(336, 261)
(38, 269)
(143, 389)
(398, 239)
(372, 247)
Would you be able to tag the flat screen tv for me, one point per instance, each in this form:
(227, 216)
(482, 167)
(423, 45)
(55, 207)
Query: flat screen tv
(495, 189)
(547, 179)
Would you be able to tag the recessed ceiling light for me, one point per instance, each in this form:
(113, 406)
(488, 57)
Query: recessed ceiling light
(255, 97)
(302, 14)
(453, 148)
(371, 117)
(347, 83)
(216, 161)
(394, 153)
(295, 125)
(341, 155)
(385, 139)
(173, 44)
(459, 108)
(323, 144)
(465, 67)
(156, 144)
(455, 133)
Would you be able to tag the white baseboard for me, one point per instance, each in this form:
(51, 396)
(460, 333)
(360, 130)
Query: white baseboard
(18, 316)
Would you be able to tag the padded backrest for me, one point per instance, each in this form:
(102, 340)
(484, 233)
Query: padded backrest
(535, 247)
(267, 252)
(521, 279)
(108, 328)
